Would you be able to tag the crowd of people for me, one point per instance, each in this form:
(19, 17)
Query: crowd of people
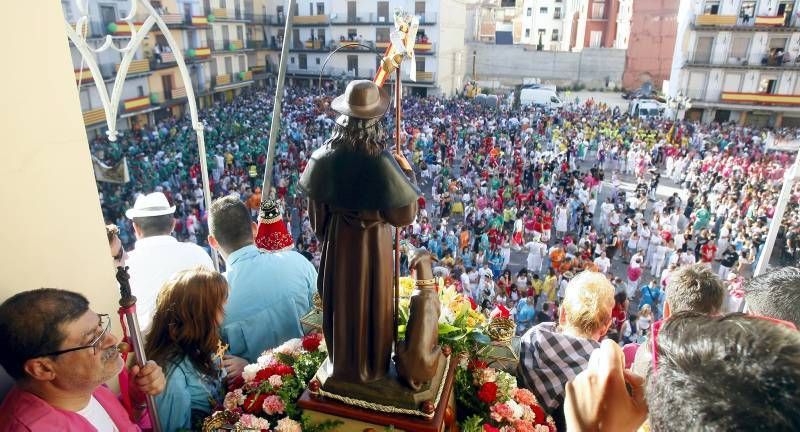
(586, 225)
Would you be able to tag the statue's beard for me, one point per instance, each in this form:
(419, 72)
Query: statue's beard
(364, 136)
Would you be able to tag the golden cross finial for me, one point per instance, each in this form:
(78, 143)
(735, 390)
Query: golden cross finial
(221, 349)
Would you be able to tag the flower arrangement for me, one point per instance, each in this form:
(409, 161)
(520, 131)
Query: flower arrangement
(461, 326)
(265, 397)
(490, 401)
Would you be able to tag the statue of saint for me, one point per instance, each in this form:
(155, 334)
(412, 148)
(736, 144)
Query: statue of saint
(357, 191)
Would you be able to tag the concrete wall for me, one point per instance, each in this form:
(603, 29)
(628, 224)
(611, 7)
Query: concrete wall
(511, 64)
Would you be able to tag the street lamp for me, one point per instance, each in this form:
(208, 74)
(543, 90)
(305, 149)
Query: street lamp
(677, 104)
(540, 46)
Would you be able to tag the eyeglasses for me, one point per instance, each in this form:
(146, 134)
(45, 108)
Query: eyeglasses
(104, 323)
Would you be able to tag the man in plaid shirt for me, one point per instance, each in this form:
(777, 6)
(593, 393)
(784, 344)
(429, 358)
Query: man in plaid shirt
(552, 354)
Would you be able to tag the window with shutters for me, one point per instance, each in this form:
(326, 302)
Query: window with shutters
(732, 82)
(697, 84)
(711, 7)
(702, 50)
(382, 34)
(739, 48)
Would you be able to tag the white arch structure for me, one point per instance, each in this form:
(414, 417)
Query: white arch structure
(111, 104)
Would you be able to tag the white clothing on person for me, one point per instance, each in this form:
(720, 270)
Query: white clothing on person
(152, 262)
(536, 251)
(96, 415)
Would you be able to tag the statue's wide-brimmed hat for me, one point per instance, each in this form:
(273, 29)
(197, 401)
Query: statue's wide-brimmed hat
(362, 99)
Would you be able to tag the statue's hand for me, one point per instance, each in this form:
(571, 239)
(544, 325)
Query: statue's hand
(401, 160)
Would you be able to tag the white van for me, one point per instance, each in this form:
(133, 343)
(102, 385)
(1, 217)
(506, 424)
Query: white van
(540, 96)
(645, 109)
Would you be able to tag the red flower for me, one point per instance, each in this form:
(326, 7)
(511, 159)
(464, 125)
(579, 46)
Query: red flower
(282, 369)
(541, 416)
(472, 303)
(490, 428)
(488, 392)
(235, 383)
(477, 364)
(311, 342)
(252, 404)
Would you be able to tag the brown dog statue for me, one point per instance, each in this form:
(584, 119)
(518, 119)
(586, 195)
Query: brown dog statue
(417, 357)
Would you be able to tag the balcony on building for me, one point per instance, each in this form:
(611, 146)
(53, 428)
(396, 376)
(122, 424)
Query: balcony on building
(746, 22)
(168, 97)
(776, 57)
(352, 43)
(311, 45)
(137, 67)
(766, 99)
(261, 45)
(310, 20)
(231, 81)
(423, 78)
(94, 117)
(137, 105)
(374, 18)
(162, 59)
(224, 15)
(330, 72)
(221, 46)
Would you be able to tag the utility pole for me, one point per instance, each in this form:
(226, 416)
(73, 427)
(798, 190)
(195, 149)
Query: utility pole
(474, 55)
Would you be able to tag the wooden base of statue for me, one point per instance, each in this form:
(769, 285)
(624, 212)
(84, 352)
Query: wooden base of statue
(384, 403)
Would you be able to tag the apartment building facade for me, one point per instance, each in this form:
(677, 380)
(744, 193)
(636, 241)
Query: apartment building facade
(362, 29)
(553, 25)
(738, 60)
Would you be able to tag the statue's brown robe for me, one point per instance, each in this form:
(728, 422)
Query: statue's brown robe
(356, 269)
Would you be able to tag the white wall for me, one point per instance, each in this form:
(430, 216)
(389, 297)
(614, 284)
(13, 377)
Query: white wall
(59, 241)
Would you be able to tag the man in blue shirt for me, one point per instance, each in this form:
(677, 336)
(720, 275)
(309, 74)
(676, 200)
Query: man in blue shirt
(269, 292)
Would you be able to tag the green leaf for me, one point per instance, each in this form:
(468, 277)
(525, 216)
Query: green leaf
(445, 328)
(480, 338)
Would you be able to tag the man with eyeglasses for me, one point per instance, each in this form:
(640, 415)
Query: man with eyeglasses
(60, 353)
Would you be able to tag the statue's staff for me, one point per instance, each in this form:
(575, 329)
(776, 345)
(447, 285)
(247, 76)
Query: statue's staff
(401, 47)
(275, 124)
(132, 337)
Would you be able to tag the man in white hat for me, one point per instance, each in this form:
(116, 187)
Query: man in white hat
(157, 255)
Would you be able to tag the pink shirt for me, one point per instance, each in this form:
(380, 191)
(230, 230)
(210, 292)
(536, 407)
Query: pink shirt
(23, 411)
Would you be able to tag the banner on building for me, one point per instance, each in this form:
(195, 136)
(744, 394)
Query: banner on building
(779, 143)
(111, 174)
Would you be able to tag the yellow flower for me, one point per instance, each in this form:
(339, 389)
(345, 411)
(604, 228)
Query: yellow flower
(407, 286)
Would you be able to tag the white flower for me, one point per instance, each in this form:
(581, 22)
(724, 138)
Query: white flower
(291, 347)
(446, 315)
(322, 347)
(516, 408)
(542, 428)
(250, 371)
(265, 359)
(288, 425)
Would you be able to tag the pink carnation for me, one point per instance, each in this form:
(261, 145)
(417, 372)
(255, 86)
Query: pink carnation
(524, 426)
(275, 381)
(251, 422)
(525, 397)
(233, 400)
(273, 405)
(288, 425)
(501, 411)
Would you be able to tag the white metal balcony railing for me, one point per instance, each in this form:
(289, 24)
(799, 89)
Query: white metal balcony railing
(374, 18)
